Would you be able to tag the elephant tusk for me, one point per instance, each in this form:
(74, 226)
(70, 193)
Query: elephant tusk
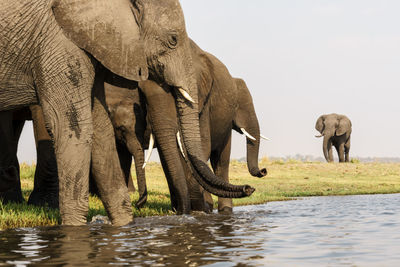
(318, 136)
(247, 134)
(178, 138)
(150, 150)
(186, 95)
(264, 137)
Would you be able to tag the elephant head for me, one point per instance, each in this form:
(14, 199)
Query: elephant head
(330, 126)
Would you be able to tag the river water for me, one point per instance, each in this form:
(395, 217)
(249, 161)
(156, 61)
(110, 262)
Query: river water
(316, 231)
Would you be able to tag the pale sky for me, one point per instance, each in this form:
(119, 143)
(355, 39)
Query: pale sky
(301, 59)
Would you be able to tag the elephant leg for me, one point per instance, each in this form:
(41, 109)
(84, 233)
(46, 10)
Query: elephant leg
(45, 189)
(220, 163)
(106, 169)
(198, 196)
(63, 77)
(347, 150)
(162, 111)
(174, 195)
(9, 135)
(68, 116)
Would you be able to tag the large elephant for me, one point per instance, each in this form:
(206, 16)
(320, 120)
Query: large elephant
(336, 130)
(50, 51)
(225, 103)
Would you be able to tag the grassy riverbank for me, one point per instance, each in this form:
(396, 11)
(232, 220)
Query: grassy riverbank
(284, 181)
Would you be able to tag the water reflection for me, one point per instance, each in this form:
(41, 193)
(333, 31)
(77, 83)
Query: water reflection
(357, 230)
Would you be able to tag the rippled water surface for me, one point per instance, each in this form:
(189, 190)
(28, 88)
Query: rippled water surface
(320, 231)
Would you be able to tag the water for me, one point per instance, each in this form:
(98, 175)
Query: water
(318, 231)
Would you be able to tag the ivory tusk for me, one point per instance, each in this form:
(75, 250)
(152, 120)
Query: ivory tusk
(186, 95)
(150, 150)
(247, 134)
(264, 137)
(318, 136)
(178, 138)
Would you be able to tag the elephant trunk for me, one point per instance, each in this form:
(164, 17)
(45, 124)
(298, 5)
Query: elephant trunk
(253, 147)
(189, 124)
(136, 150)
(162, 112)
(325, 146)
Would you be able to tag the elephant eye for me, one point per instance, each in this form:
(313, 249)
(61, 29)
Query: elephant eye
(172, 40)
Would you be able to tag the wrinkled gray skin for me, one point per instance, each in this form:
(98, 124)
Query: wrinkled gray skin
(225, 103)
(336, 130)
(42, 61)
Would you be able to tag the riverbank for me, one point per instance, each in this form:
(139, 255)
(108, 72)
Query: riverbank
(285, 180)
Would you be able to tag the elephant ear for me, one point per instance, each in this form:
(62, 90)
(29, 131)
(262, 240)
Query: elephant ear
(107, 29)
(343, 126)
(319, 125)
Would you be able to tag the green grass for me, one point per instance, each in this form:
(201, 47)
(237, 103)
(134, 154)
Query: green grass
(284, 181)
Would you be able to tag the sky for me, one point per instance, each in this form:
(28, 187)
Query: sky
(301, 59)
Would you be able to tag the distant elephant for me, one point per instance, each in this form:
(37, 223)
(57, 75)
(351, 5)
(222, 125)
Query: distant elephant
(336, 130)
(225, 103)
(49, 54)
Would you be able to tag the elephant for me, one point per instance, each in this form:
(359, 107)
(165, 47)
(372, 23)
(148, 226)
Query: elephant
(128, 113)
(336, 130)
(51, 52)
(225, 103)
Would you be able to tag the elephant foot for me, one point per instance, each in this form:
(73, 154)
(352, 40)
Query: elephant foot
(42, 200)
(123, 222)
(11, 196)
(208, 207)
(225, 210)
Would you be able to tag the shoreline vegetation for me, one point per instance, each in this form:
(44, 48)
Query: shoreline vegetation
(285, 180)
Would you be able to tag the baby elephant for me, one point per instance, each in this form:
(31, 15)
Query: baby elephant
(336, 130)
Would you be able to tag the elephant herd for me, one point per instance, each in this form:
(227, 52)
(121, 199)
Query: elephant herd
(104, 80)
